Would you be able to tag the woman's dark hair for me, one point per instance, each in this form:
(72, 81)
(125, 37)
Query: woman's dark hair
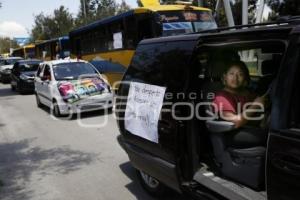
(242, 66)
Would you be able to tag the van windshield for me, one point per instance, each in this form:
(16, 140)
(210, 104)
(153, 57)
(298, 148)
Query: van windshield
(187, 21)
(73, 71)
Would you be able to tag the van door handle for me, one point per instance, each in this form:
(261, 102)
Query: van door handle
(287, 163)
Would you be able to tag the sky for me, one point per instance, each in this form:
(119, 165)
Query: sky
(17, 16)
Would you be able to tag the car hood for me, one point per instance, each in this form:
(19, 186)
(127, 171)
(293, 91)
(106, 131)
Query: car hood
(3, 67)
(30, 73)
(76, 90)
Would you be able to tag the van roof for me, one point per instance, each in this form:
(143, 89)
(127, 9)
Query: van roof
(237, 31)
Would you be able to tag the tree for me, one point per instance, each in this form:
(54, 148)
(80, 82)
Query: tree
(283, 8)
(6, 43)
(86, 12)
(123, 7)
(106, 8)
(52, 26)
(92, 10)
(139, 3)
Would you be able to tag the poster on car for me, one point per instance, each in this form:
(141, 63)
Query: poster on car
(75, 90)
(143, 108)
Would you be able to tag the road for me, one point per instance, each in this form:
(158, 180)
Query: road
(46, 159)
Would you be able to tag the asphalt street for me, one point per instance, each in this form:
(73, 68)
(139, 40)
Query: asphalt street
(46, 159)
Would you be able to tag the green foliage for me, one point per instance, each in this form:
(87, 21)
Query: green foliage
(123, 7)
(6, 43)
(283, 7)
(62, 22)
(139, 3)
(52, 26)
(98, 9)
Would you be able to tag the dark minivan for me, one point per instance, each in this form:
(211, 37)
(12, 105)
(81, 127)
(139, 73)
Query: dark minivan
(163, 114)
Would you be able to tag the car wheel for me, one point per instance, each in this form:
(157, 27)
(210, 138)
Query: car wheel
(55, 110)
(151, 185)
(13, 88)
(38, 101)
(18, 87)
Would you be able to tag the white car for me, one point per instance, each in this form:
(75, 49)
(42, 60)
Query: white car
(71, 86)
(6, 65)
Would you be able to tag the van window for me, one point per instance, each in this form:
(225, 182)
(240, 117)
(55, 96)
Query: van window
(162, 64)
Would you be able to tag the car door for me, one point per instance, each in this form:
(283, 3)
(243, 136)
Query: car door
(155, 76)
(46, 85)
(283, 152)
(38, 79)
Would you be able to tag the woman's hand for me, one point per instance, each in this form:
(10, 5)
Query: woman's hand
(260, 100)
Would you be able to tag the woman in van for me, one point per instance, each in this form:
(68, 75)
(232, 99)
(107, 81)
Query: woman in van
(235, 103)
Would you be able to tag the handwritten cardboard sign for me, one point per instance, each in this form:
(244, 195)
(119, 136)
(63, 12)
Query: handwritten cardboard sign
(143, 109)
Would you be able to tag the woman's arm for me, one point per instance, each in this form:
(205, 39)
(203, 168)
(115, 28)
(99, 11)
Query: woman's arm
(241, 119)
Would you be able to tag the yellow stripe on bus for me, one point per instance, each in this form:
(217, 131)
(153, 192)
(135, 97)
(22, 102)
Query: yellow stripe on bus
(122, 57)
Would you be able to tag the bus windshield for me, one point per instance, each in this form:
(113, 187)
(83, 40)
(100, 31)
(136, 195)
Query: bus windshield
(187, 21)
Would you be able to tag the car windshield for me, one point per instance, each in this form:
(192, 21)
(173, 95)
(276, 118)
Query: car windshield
(8, 61)
(29, 67)
(180, 22)
(73, 71)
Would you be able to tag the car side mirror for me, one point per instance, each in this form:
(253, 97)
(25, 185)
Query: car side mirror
(45, 78)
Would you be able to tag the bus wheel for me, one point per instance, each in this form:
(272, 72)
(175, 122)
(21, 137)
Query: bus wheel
(151, 185)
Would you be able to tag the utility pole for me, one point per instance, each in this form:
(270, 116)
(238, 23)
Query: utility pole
(260, 11)
(244, 12)
(228, 12)
(84, 9)
(200, 3)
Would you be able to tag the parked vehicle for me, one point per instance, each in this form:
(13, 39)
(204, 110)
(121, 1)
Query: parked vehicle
(22, 75)
(162, 111)
(6, 65)
(71, 86)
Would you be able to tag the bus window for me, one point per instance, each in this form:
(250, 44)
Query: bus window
(77, 47)
(145, 28)
(130, 32)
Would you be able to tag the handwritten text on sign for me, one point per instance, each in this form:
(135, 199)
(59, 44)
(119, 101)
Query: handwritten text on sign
(143, 109)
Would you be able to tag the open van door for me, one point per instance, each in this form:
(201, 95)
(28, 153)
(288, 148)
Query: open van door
(283, 153)
(150, 135)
